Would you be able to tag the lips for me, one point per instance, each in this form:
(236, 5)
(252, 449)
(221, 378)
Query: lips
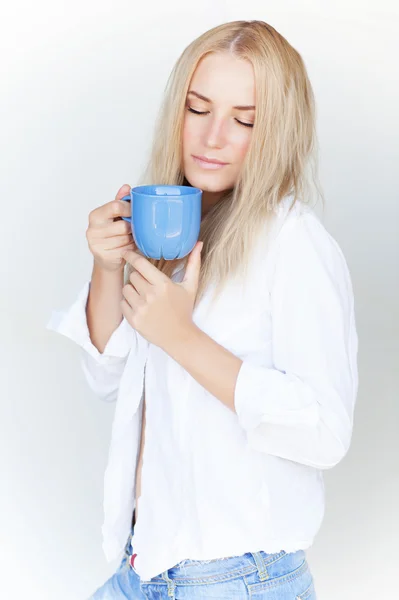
(213, 161)
(208, 165)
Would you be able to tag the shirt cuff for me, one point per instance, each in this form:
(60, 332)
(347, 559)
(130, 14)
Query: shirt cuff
(72, 323)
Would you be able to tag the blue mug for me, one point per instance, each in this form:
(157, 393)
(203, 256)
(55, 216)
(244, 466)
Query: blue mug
(165, 219)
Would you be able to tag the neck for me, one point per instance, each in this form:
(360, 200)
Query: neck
(209, 199)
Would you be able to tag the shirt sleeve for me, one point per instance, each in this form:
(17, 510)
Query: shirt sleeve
(102, 371)
(302, 408)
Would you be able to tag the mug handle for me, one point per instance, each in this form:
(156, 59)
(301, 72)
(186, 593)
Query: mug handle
(127, 199)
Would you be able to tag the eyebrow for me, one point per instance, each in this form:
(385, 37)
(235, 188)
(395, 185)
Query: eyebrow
(201, 97)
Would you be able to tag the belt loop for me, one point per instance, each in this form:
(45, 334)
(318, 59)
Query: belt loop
(171, 585)
(262, 570)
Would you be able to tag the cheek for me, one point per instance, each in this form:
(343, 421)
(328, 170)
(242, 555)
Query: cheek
(189, 134)
(242, 147)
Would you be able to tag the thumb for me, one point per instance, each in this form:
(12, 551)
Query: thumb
(193, 268)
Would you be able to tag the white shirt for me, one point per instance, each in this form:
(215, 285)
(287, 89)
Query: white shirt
(215, 483)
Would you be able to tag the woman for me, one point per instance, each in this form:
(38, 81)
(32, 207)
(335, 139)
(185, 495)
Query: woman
(248, 349)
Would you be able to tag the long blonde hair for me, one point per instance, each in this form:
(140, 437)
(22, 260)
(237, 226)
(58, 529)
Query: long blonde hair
(281, 158)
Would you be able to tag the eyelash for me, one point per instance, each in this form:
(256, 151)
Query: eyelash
(196, 112)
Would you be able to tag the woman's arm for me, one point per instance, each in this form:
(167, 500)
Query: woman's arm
(104, 351)
(103, 310)
(302, 408)
(214, 367)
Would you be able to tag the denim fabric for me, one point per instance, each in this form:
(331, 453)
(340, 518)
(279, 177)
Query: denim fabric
(256, 575)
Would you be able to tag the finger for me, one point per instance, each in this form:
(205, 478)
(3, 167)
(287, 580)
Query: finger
(139, 283)
(193, 268)
(143, 266)
(131, 296)
(107, 212)
(114, 229)
(120, 241)
(127, 310)
(99, 233)
(123, 191)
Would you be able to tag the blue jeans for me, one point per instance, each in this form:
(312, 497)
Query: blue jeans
(256, 575)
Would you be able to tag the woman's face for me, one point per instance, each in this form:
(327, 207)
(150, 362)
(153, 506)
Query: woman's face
(223, 132)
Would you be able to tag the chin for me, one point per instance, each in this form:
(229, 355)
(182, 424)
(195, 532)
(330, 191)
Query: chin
(207, 182)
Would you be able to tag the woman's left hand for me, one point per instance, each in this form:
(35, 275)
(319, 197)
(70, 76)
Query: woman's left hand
(157, 307)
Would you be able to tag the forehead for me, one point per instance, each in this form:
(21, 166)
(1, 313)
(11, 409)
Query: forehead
(225, 78)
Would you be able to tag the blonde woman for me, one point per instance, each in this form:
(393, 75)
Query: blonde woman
(234, 371)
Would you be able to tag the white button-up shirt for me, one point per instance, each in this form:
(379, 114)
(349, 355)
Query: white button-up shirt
(216, 483)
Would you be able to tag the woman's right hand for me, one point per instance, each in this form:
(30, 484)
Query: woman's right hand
(108, 235)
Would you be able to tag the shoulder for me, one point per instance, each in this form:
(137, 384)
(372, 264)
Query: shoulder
(308, 260)
(301, 235)
(292, 225)
(296, 247)
(291, 216)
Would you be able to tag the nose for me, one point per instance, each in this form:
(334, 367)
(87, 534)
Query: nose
(214, 136)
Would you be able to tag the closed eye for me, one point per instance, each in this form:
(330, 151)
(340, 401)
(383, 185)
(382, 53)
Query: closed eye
(196, 112)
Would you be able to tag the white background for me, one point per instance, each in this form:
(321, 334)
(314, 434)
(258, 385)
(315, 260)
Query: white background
(80, 86)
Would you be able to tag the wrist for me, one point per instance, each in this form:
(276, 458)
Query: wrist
(182, 340)
(106, 272)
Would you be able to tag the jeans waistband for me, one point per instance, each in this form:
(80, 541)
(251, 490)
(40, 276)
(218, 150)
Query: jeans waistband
(189, 571)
